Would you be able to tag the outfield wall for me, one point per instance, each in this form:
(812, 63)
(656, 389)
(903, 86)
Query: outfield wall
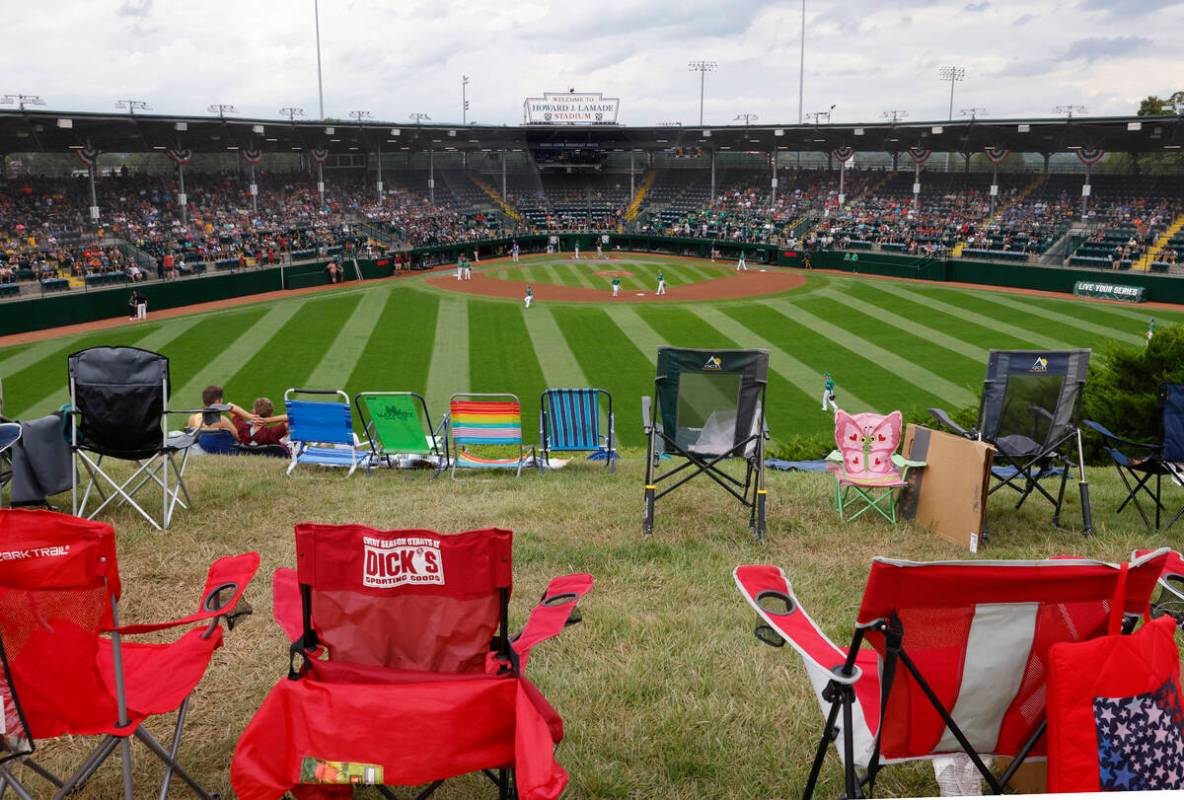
(69, 308)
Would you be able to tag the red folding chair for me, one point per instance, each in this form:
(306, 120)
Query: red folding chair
(957, 657)
(402, 669)
(66, 668)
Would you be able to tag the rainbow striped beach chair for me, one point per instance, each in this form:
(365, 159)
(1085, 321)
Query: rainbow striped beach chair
(486, 420)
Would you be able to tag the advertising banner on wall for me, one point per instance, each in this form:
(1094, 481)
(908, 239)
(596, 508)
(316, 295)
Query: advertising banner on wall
(571, 108)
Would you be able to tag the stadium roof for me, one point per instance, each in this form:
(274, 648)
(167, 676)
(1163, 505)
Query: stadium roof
(60, 131)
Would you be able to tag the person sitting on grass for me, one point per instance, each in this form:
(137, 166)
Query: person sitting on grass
(267, 427)
(212, 396)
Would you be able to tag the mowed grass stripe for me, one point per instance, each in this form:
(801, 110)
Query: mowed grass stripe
(17, 358)
(611, 360)
(560, 368)
(340, 360)
(449, 366)
(952, 325)
(909, 325)
(227, 350)
(502, 359)
(1038, 310)
(157, 341)
(963, 309)
(859, 339)
(285, 359)
(398, 351)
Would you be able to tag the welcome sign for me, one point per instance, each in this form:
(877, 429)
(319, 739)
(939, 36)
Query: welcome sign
(571, 108)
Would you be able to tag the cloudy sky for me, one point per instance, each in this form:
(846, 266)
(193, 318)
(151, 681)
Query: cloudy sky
(395, 57)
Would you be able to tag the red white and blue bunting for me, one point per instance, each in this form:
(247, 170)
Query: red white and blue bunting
(87, 155)
(996, 155)
(1091, 155)
(920, 154)
(320, 155)
(843, 154)
(250, 155)
(180, 156)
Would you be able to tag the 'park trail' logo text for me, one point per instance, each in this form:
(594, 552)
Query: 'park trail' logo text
(408, 560)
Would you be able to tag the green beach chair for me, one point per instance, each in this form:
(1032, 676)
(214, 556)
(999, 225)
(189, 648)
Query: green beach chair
(399, 430)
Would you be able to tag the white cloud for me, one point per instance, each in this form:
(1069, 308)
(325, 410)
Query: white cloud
(395, 58)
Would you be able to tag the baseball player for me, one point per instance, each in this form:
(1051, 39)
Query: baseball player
(828, 393)
(577, 255)
(740, 265)
(1150, 330)
(514, 252)
(468, 269)
(616, 287)
(599, 249)
(529, 297)
(460, 267)
(661, 283)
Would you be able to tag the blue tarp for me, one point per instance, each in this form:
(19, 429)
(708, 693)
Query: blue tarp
(798, 466)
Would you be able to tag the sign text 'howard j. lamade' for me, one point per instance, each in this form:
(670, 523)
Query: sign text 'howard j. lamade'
(571, 108)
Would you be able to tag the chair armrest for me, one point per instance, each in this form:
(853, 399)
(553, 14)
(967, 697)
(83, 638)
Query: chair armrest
(768, 591)
(906, 463)
(646, 422)
(557, 609)
(948, 423)
(226, 582)
(835, 456)
(1105, 433)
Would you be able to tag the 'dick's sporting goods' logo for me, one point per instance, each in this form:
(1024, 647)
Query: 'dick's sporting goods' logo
(408, 560)
(1040, 365)
(714, 363)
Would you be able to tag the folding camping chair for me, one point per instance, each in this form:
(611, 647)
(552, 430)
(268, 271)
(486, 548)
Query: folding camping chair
(403, 672)
(866, 466)
(482, 420)
(1137, 463)
(1029, 409)
(710, 407)
(321, 432)
(399, 430)
(10, 434)
(65, 668)
(569, 422)
(956, 663)
(119, 398)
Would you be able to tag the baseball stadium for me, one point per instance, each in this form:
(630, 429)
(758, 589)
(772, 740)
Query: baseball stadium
(315, 430)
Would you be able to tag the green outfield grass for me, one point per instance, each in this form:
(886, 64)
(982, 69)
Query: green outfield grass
(889, 344)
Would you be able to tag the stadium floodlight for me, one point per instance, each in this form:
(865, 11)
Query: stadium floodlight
(702, 67)
(818, 116)
(292, 112)
(22, 100)
(1069, 110)
(748, 118)
(222, 109)
(132, 105)
(669, 124)
(972, 112)
(419, 117)
(360, 115)
(952, 73)
(894, 115)
(464, 99)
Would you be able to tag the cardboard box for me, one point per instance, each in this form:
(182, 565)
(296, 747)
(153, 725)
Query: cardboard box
(949, 494)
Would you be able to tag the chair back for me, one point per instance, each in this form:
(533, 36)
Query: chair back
(217, 443)
(867, 442)
(486, 419)
(979, 633)
(409, 599)
(572, 418)
(396, 422)
(1033, 394)
(319, 421)
(710, 401)
(10, 433)
(121, 394)
(58, 581)
(1171, 398)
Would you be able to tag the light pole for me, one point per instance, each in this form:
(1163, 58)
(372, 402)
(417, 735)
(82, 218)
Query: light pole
(702, 67)
(748, 119)
(1069, 110)
(132, 106)
(802, 68)
(292, 112)
(222, 109)
(953, 74)
(316, 11)
(464, 99)
(22, 100)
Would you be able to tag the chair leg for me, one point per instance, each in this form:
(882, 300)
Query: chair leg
(173, 748)
(125, 747)
(88, 767)
(7, 779)
(155, 746)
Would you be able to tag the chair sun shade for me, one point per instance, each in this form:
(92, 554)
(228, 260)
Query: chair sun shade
(398, 426)
(486, 420)
(65, 668)
(403, 670)
(321, 431)
(120, 411)
(710, 407)
(1137, 463)
(1029, 412)
(956, 657)
(569, 422)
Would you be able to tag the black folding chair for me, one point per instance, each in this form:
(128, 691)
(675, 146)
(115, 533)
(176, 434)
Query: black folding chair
(10, 434)
(710, 408)
(1138, 463)
(120, 411)
(1029, 412)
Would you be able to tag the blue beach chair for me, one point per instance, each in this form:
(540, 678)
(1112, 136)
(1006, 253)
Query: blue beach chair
(321, 431)
(569, 422)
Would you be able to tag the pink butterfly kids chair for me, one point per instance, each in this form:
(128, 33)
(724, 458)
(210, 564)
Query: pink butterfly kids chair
(868, 471)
